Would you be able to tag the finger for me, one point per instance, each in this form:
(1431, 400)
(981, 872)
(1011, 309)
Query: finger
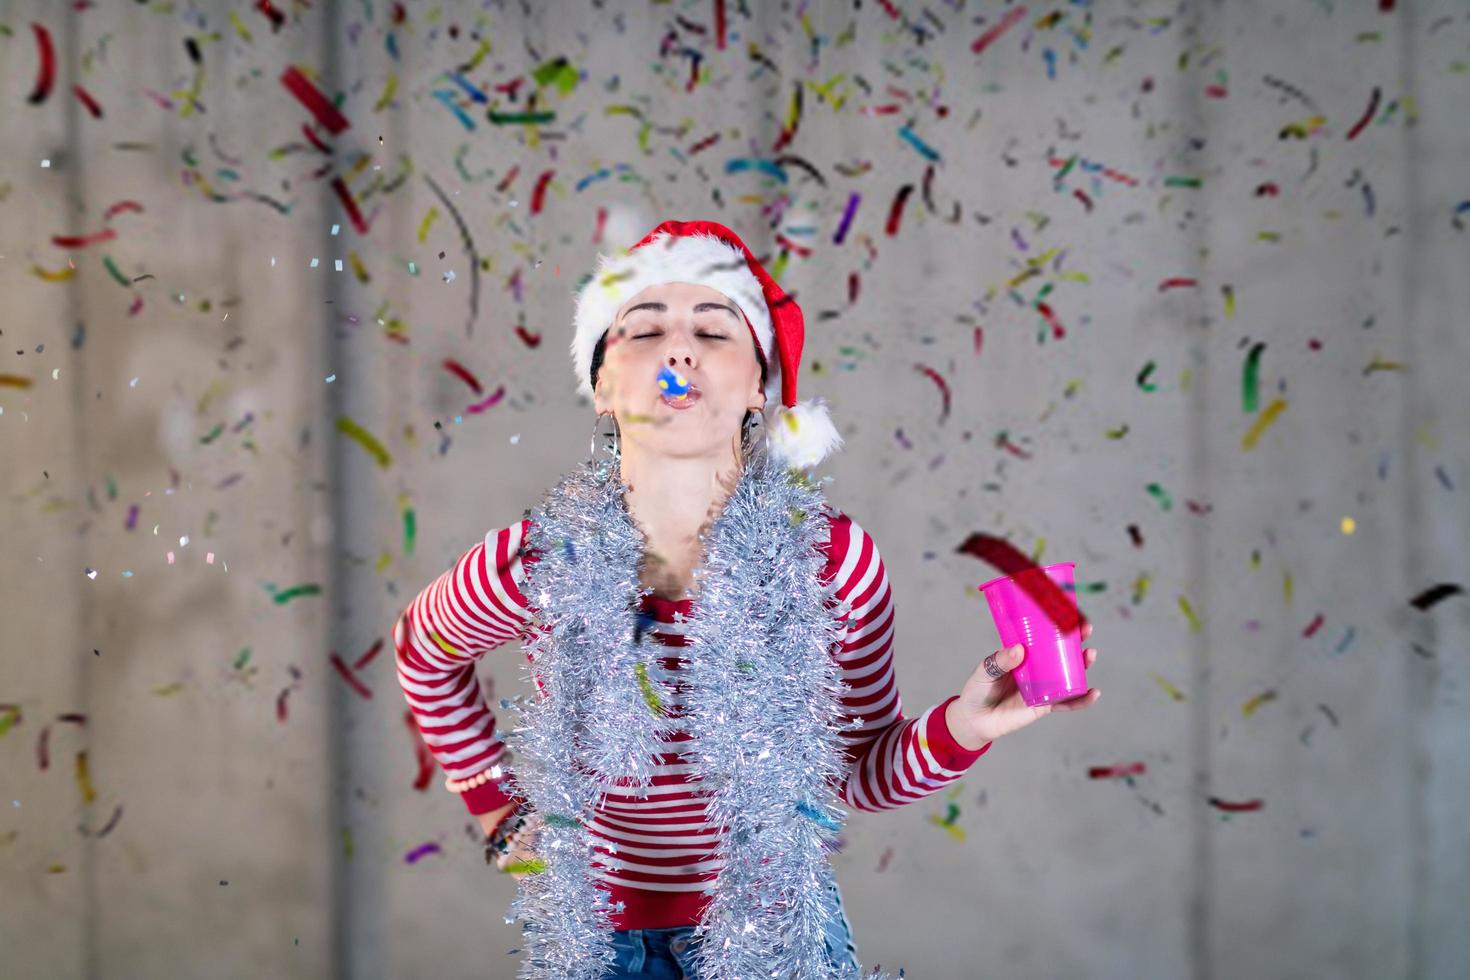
(1086, 630)
(1089, 657)
(1003, 661)
(1077, 704)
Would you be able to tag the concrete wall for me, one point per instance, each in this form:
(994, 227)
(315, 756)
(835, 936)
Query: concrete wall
(249, 845)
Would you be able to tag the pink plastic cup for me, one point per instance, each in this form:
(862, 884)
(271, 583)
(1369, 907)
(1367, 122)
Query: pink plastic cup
(1051, 666)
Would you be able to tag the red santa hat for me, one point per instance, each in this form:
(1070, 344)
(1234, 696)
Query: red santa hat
(800, 434)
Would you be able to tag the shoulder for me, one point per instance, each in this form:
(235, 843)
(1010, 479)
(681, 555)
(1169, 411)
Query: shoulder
(850, 550)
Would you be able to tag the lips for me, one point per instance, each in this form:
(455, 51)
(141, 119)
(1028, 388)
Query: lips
(690, 397)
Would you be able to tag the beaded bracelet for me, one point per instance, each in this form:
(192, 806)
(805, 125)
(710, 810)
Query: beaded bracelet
(498, 841)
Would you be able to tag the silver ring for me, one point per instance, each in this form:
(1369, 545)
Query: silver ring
(993, 668)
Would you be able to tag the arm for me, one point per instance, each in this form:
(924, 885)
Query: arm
(475, 607)
(893, 760)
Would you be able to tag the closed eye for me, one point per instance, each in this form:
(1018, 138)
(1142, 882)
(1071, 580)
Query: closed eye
(711, 336)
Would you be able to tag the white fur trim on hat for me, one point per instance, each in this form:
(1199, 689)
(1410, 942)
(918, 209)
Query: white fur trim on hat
(701, 259)
(803, 435)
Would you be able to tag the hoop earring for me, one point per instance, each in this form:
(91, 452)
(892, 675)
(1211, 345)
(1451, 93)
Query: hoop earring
(751, 445)
(612, 441)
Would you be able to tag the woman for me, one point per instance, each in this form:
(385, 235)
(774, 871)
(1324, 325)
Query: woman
(688, 305)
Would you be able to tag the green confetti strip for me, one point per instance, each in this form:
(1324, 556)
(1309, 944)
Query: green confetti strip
(1250, 379)
(309, 589)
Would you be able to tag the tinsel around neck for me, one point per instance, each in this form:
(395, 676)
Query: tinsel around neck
(761, 710)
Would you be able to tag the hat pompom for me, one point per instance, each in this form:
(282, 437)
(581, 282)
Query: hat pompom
(803, 435)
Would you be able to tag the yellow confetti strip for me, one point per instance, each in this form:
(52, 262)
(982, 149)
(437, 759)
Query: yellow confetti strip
(1286, 588)
(1249, 708)
(444, 644)
(429, 217)
(84, 781)
(1169, 689)
(240, 28)
(1188, 610)
(389, 89)
(1267, 417)
(358, 269)
(365, 439)
(168, 689)
(60, 276)
(650, 696)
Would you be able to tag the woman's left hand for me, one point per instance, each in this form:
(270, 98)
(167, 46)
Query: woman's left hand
(991, 707)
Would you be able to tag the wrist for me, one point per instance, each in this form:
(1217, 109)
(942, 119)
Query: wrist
(961, 729)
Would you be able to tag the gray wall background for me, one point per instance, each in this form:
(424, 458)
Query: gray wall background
(248, 846)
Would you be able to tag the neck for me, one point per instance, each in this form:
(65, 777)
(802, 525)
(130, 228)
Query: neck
(674, 498)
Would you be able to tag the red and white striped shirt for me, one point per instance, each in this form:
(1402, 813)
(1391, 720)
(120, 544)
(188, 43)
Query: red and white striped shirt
(666, 852)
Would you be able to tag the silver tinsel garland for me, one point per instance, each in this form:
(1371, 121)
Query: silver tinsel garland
(762, 709)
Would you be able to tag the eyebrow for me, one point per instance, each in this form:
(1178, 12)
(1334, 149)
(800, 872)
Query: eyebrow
(698, 308)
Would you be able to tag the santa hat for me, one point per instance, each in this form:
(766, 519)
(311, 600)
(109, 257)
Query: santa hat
(709, 254)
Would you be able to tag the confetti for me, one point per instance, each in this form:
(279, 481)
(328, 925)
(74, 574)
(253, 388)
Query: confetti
(315, 102)
(45, 67)
(422, 850)
(365, 439)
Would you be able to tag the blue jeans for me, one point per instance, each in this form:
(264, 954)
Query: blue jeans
(669, 954)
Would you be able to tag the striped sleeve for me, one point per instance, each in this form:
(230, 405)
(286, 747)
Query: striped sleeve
(473, 608)
(891, 760)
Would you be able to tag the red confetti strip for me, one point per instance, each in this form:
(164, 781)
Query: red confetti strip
(268, 9)
(1246, 806)
(703, 144)
(1216, 91)
(119, 208)
(1114, 772)
(463, 373)
(315, 140)
(979, 339)
(883, 861)
(1268, 189)
(46, 71)
(1004, 558)
(281, 704)
(1011, 19)
(501, 187)
(349, 205)
(315, 102)
(1367, 115)
(895, 211)
(538, 196)
(112, 822)
(82, 241)
(425, 757)
(938, 379)
(789, 245)
(719, 25)
(532, 340)
(853, 284)
(1057, 330)
(890, 9)
(601, 223)
(1313, 626)
(1081, 195)
(1178, 283)
(367, 658)
(347, 675)
(85, 98)
(490, 402)
(43, 749)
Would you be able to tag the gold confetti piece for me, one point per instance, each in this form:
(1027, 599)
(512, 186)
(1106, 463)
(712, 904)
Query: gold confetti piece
(1266, 418)
(84, 781)
(1249, 708)
(444, 644)
(168, 689)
